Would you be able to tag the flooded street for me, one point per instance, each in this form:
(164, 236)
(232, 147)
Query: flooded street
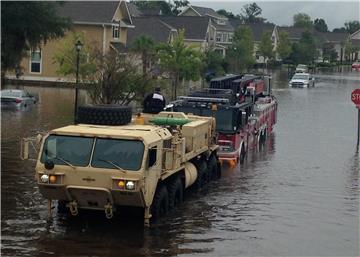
(298, 196)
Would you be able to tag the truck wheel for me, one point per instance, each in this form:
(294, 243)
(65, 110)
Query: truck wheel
(160, 205)
(176, 192)
(213, 168)
(202, 175)
(104, 115)
(61, 206)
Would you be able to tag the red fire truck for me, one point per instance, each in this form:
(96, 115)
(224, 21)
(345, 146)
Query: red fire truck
(244, 108)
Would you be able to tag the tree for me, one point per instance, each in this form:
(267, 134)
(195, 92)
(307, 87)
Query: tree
(284, 45)
(25, 25)
(320, 25)
(302, 20)
(117, 80)
(225, 13)
(342, 29)
(213, 64)
(266, 46)
(145, 46)
(66, 55)
(180, 61)
(352, 26)
(251, 13)
(166, 7)
(240, 53)
(306, 48)
(328, 52)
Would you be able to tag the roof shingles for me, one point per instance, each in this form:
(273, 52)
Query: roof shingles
(89, 11)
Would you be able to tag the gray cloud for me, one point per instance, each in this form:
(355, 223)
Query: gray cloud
(281, 12)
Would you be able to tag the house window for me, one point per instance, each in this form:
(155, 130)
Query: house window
(218, 37)
(231, 37)
(225, 37)
(115, 31)
(35, 61)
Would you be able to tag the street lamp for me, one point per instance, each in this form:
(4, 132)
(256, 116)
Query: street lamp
(78, 46)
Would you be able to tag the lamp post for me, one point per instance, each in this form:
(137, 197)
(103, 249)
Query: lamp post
(78, 46)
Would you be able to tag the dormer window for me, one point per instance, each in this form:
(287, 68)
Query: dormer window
(220, 22)
(115, 31)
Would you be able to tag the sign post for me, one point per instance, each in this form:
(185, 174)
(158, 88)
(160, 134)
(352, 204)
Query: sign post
(355, 97)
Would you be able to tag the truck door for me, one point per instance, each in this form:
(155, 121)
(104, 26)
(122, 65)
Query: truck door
(152, 172)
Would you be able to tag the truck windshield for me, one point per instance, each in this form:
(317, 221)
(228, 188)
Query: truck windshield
(117, 153)
(67, 149)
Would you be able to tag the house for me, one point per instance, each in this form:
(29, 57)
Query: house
(355, 42)
(103, 23)
(196, 29)
(220, 32)
(337, 39)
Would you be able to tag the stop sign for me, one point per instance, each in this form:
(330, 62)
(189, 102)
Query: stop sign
(355, 97)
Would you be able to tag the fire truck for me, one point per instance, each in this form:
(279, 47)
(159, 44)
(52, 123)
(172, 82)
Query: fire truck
(244, 108)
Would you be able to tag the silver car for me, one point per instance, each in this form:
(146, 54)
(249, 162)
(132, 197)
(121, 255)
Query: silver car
(16, 98)
(302, 80)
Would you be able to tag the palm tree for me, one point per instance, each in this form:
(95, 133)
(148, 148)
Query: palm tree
(144, 46)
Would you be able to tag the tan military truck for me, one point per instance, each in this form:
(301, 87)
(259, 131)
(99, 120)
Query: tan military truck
(147, 163)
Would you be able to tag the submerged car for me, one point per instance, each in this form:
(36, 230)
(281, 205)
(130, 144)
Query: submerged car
(302, 80)
(356, 65)
(301, 68)
(16, 98)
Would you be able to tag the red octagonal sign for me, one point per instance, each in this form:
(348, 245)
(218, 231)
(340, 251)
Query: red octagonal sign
(355, 97)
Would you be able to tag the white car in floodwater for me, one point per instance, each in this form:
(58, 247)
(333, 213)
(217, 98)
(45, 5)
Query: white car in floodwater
(16, 98)
(302, 80)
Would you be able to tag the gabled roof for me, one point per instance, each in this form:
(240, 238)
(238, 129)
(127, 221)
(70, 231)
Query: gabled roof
(258, 29)
(195, 27)
(235, 22)
(332, 36)
(355, 35)
(294, 33)
(133, 10)
(355, 42)
(148, 26)
(226, 27)
(89, 11)
(151, 11)
(203, 11)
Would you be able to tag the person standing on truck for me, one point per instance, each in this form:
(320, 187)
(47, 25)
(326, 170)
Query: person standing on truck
(154, 102)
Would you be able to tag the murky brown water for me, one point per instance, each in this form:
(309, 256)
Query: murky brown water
(297, 197)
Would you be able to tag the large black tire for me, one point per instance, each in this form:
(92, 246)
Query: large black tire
(176, 192)
(202, 175)
(104, 115)
(160, 205)
(213, 168)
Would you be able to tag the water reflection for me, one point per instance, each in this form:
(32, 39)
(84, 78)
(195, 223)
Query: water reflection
(296, 195)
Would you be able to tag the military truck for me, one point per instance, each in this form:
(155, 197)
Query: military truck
(147, 163)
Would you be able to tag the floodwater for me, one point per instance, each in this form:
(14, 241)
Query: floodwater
(297, 196)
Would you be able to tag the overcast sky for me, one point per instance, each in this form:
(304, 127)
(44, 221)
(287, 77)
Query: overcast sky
(335, 13)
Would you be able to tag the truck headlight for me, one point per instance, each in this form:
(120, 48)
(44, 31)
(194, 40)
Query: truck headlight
(44, 178)
(130, 185)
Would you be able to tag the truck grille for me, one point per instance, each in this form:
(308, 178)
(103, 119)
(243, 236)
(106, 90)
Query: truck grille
(297, 84)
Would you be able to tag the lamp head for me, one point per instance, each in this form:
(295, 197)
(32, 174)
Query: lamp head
(78, 45)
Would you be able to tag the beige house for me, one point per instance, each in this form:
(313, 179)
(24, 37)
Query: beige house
(220, 31)
(111, 26)
(102, 23)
